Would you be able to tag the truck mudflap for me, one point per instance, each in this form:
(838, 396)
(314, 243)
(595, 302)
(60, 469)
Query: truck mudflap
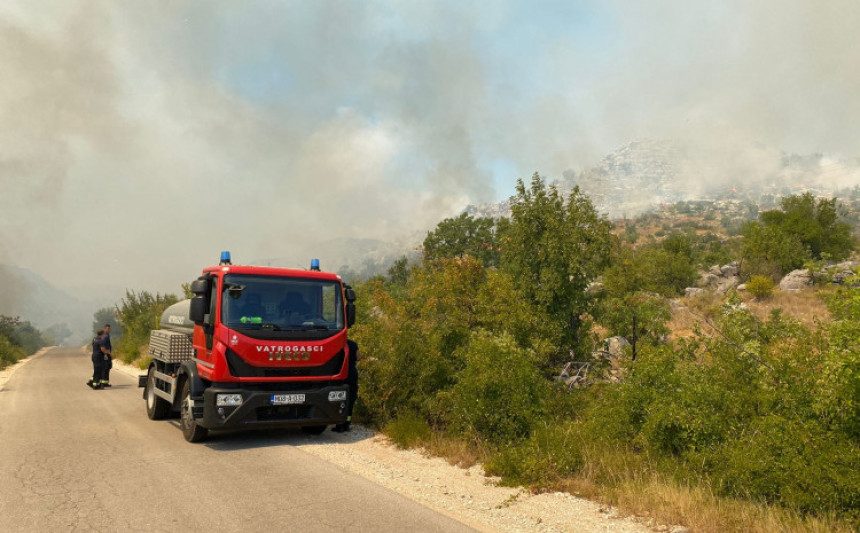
(272, 408)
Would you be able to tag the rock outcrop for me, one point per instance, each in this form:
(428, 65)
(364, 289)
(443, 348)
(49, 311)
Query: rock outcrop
(796, 280)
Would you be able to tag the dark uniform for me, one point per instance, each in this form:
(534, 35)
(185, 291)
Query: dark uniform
(98, 364)
(352, 381)
(108, 360)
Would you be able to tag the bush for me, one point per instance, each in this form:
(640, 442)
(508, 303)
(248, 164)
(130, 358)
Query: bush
(9, 353)
(797, 463)
(760, 287)
(552, 453)
(500, 394)
(408, 430)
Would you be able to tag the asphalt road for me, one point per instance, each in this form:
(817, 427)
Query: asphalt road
(73, 459)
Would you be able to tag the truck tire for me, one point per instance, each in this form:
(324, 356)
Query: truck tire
(156, 408)
(190, 430)
(313, 430)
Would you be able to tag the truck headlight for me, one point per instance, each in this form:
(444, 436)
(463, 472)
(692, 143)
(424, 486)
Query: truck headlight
(336, 395)
(228, 400)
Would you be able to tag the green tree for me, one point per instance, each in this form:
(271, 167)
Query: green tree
(815, 222)
(464, 235)
(638, 317)
(769, 251)
(138, 315)
(107, 315)
(554, 247)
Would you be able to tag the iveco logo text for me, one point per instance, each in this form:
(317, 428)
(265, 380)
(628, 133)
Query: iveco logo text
(175, 319)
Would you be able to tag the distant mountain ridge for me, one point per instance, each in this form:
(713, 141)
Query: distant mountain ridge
(31, 297)
(644, 174)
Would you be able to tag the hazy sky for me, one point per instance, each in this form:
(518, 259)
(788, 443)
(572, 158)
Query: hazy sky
(140, 138)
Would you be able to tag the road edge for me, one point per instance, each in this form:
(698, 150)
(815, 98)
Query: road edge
(6, 373)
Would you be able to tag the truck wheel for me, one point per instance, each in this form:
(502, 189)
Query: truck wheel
(190, 429)
(156, 408)
(313, 430)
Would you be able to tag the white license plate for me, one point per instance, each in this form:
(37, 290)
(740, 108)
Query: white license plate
(287, 399)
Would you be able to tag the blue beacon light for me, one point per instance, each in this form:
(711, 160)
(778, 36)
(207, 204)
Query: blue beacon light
(225, 258)
(315, 264)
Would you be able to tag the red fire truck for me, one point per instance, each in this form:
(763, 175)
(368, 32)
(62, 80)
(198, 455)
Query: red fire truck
(255, 347)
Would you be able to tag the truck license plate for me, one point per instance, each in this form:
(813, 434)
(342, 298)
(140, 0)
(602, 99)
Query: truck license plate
(287, 399)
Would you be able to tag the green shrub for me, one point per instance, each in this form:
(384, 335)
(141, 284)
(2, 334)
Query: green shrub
(552, 453)
(500, 393)
(760, 287)
(408, 430)
(9, 353)
(797, 463)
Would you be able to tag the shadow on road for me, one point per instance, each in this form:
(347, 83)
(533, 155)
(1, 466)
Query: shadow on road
(227, 441)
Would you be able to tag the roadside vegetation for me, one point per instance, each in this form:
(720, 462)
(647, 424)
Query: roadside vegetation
(745, 421)
(19, 339)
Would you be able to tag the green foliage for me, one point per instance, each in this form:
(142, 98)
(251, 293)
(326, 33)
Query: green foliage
(759, 410)
(107, 315)
(419, 335)
(408, 430)
(553, 452)
(760, 287)
(803, 229)
(815, 222)
(138, 315)
(554, 248)
(796, 462)
(18, 339)
(500, 393)
(666, 268)
(465, 235)
(9, 353)
(638, 317)
(769, 251)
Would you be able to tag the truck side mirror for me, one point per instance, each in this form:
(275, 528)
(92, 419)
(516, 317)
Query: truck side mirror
(350, 294)
(200, 302)
(198, 310)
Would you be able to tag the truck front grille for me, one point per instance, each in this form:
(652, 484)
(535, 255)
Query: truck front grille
(241, 369)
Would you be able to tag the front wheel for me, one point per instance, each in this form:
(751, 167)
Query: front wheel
(156, 408)
(190, 429)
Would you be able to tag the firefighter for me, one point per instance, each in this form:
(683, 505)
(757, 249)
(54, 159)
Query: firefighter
(352, 381)
(98, 361)
(108, 357)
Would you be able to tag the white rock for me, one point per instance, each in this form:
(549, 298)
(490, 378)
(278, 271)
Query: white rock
(796, 280)
(693, 291)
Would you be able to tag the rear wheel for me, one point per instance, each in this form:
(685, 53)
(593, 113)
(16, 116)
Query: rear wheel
(190, 429)
(156, 408)
(313, 430)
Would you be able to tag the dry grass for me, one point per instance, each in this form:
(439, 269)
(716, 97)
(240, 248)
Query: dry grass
(806, 306)
(700, 510)
(456, 451)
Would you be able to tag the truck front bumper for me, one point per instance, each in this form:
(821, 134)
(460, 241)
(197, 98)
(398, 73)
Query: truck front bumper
(266, 408)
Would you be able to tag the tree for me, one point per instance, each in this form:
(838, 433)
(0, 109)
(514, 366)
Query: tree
(107, 315)
(804, 228)
(464, 235)
(554, 247)
(770, 251)
(638, 317)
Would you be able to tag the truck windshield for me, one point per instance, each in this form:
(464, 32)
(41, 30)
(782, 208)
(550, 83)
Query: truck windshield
(281, 304)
